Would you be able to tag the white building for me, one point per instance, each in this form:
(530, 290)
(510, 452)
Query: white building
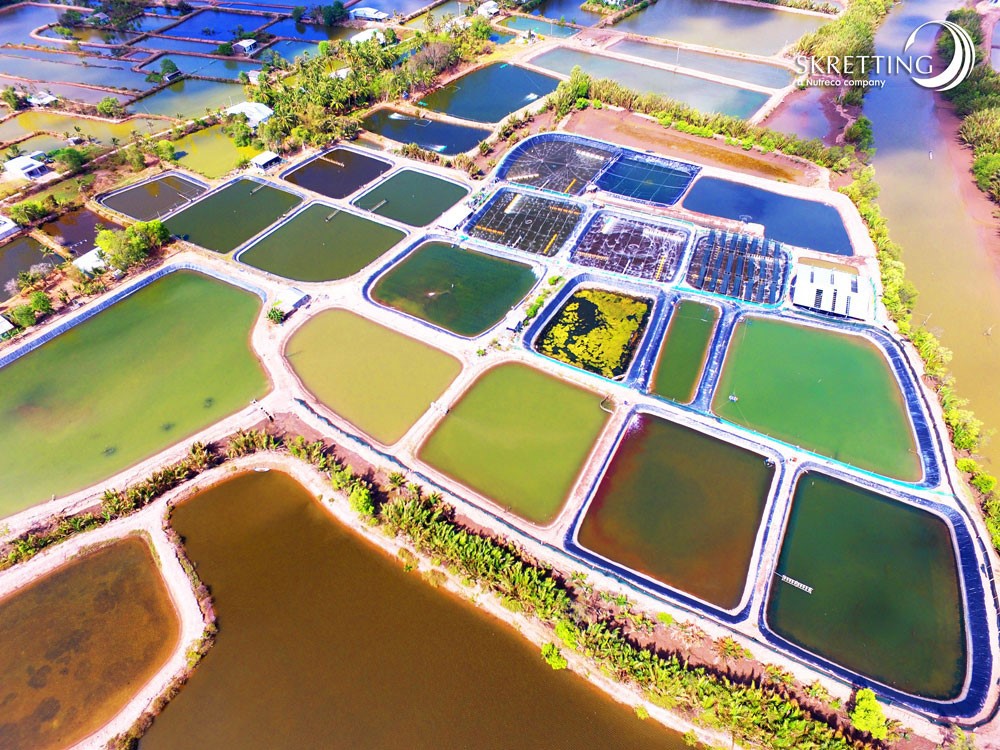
(7, 228)
(367, 14)
(246, 47)
(5, 325)
(42, 99)
(255, 112)
(90, 263)
(25, 168)
(254, 77)
(368, 34)
(489, 9)
(835, 291)
(263, 162)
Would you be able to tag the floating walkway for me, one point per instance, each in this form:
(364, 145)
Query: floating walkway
(792, 582)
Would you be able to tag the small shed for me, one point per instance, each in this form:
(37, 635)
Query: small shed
(25, 168)
(7, 228)
(5, 325)
(489, 9)
(90, 263)
(246, 47)
(835, 290)
(263, 162)
(255, 112)
(290, 299)
(42, 99)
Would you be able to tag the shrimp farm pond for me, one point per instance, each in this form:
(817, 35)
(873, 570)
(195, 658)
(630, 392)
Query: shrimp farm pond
(463, 291)
(321, 243)
(295, 666)
(135, 386)
(519, 437)
(377, 379)
(79, 642)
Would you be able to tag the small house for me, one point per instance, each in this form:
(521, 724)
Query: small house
(25, 168)
(7, 228)
(90, 263)
(255, 112)
(42, 99)
(367, 14)
(263, 162)
(5, 325)
(99, 19)
(489, 9)
(246, 47)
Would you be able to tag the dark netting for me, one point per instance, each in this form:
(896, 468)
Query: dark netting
(651, 180)
(749, 268)
(563, 166)
(531, 223)
(614, 242)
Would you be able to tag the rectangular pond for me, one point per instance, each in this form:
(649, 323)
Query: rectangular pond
(520, 437)
(885, 600)
(338, 172)
(700, 93)
(412, 197)
(190, 98)
(794, 221)
(170, 44)
(22, 254)
(294, 666)
(684, 350)
(154, 198)
(651, 180)
(541, 26)
(622, 244)
(490, 93)
(211, 152)
(750, 71)
(384, 386)
(38, 65)
(77, 230)
(441, 137)
(216, 25)
(322, 243)
(829, 392)
(134, 387)
(309, 32)
(460, 290)
(743, 28)
(80, 642)
(596, 330)
(206, 67)
(531, 223)
(229, 217)
(567, 11)
(680, 507)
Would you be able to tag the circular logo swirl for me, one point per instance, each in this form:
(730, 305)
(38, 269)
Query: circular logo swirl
(961, 64)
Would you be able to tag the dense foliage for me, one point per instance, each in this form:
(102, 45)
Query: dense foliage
(124, 248)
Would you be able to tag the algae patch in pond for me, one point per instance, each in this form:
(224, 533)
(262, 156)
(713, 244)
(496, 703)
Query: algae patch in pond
(152, 369)
(459, 290)
(377, 379)
(520, 437)
(80, 642)
(596, 330)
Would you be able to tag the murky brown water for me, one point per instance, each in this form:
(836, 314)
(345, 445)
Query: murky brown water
(79, 643)
(326, 643)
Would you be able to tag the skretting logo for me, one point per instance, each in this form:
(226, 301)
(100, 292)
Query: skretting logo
(853, 71)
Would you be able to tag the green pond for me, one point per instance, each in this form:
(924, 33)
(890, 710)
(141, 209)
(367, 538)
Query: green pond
(412, 197)
(80, 642)
(154, 198)
(596, 330)
(460, 290)
(190, 98)
(681, 507)
(684, 350)
(225, 220)
(885, 598)
(828, 392)
(211, 152)
(321, 244)
(520, 437)
(325, 642)
(377, 379)
(103, 131)
(149, 371)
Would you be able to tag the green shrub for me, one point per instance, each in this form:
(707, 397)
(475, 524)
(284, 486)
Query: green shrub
(553, 657)
(867, 715)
